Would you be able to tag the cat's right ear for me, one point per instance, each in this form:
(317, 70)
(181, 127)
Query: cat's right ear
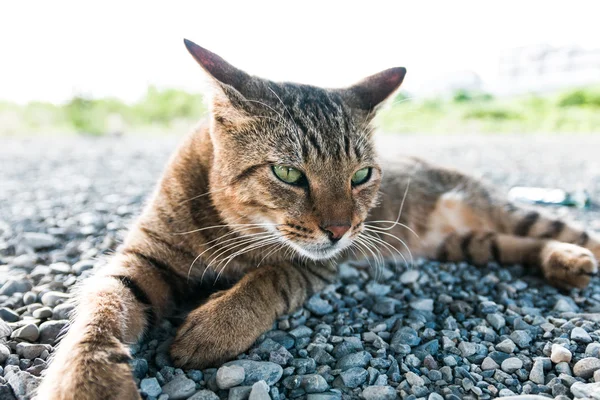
(371, 92)
(219, 69)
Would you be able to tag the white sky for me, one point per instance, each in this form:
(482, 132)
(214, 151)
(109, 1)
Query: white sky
(51, 50)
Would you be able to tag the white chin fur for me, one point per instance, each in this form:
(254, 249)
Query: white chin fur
(316, 255)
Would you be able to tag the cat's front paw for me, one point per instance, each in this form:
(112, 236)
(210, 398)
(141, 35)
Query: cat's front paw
(567, 265)
(89, 369)
(211, 334)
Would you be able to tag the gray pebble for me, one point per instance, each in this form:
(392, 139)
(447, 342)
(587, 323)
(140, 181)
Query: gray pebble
(585, 368)
(150, 387)
(63, 311)
(521, 338)
(580, 335)
(260, 391)
(42, 313)
(410, 276)
(489, 364)
(593, 350)
(511, 364)
(13, 286)
(496, 320)
(28, 332)
(506, 346)
(354, 377)
(422, 304)
(50, 330)
(52, 299)
(358, 359)
(82, 266)
(256, 371)
(314, 383)
(5, 329)
(37, 240)
(379, 393)
(4, 353)
(23, 384)
(31, 351)
(239, 392)
(228, 377)
(536, 374)
(8, 315)
(414, 379)
(179, 388)
(204, 395)
(318, 306)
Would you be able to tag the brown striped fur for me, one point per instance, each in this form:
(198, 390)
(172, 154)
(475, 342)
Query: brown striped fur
(218, 197)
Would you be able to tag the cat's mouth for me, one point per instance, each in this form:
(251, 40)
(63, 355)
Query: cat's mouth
(319, 251)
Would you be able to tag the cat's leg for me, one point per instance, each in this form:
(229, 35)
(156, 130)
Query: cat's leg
(531, 223)
(563, 264)
(115, 307)
(231, 321)
(480, 227)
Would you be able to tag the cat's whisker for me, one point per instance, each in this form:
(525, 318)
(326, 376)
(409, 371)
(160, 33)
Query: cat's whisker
(368, 246)
(220, 244)
(251, 247)
(394, 223)
(389, 246)
(412, 261)
(275, 249)
(223, 226)
(380, 258)
(243, 241)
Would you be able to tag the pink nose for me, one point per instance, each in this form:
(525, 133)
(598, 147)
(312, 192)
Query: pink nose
(336, 232)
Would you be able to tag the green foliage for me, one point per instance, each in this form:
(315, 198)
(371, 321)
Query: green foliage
(580, 98)
(462, 96)
(471, 112)
(172, 110)
(158, 110)
(491, 113)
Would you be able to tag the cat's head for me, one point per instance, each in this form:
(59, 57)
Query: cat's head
(296, 160)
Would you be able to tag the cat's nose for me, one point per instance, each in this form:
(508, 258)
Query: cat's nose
(335, 232)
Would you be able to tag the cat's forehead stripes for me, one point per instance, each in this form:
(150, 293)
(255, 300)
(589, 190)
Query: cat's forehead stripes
(323, 126)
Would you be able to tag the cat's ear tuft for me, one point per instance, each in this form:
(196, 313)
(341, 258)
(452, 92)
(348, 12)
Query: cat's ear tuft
(217, 67)
(373, 90)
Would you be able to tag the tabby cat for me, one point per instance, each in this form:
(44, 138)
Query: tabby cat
(281, 184)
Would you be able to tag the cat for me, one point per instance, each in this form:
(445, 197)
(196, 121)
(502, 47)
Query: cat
(280, 185)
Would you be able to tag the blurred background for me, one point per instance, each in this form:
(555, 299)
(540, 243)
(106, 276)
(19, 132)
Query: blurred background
(71, 67)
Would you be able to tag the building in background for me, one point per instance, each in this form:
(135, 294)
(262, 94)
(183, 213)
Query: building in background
(545, 68)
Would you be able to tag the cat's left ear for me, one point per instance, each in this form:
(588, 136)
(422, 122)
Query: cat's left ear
(369, 93)
(223, 72)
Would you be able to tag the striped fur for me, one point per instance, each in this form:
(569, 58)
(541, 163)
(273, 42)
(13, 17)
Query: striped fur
(219, 213)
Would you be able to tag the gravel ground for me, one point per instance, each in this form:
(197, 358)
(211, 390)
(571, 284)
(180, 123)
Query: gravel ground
(438, 331)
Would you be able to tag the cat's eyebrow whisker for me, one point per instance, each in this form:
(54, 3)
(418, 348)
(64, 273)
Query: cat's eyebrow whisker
(284, 107)
(412, 261)
(202, 195)
(272, 109)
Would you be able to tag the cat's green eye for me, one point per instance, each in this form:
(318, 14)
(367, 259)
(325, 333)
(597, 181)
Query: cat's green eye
(361, 176)
(288, 174)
